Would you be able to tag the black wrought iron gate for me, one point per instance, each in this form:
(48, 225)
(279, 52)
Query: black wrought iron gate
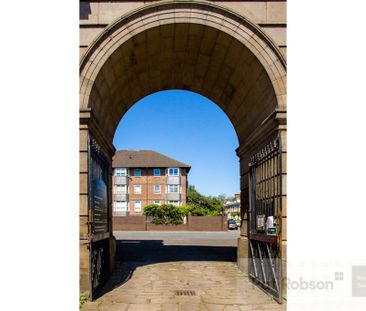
(265, 205)
(98, 180)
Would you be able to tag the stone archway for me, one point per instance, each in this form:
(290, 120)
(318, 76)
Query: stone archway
(189, 45)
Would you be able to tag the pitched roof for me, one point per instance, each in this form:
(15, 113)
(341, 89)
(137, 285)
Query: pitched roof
(145, 158)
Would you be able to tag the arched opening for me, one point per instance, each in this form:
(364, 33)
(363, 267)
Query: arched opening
(190, 128)
(192, 46)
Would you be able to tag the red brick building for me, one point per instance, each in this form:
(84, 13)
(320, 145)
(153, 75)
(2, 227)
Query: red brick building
(147, 177)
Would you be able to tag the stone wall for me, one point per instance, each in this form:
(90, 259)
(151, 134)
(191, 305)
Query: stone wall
(269, 15)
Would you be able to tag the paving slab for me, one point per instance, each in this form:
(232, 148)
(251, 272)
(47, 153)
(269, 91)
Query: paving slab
(144, 307)
(118, 306)
(214, 307)
(216, 286)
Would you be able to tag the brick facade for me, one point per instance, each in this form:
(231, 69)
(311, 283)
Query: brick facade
(139, 191)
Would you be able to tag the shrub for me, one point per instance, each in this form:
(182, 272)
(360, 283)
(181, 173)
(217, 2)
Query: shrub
(233, 214)
(165, 214)
(171, 214)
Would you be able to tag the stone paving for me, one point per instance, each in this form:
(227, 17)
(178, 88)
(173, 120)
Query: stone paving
(219, 286)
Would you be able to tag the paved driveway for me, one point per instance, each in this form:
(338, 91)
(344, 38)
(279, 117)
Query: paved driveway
(179, 271)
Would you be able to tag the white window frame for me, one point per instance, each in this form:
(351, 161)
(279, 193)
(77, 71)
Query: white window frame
(172, 173)
(175, 186)
(120, 207)
(137, 208)
(157, 202)
(157, 185)
(157, 170)
(137, 170)
(121, 190)
(175, 203)
(137, 187)
(120, 171)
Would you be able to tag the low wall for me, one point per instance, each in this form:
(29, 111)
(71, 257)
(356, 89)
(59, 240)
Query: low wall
(129, 223)
(207, 223)
(194, 223)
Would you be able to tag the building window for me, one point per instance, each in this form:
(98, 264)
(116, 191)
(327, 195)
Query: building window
(173, 188)
(121, 188)
(173, 171)
(156, 188)
(137, 189)
(175, 203)
(137, 172)
(120, 206)
(157, 202)
(156, 171)
(137, 206)
(119, 171)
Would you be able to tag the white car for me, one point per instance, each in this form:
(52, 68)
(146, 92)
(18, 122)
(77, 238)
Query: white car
(231, 224)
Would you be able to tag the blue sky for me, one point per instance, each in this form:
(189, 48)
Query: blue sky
(189, 128)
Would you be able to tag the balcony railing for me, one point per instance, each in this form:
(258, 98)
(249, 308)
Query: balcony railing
(173, 180)
(173, 196)
(120, 180)
(120, 196)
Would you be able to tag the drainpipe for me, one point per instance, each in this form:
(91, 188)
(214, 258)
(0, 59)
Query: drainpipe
(147, 186)
(185, 170)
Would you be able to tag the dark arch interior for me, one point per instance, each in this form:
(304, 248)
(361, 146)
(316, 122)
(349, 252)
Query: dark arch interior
(191, 57)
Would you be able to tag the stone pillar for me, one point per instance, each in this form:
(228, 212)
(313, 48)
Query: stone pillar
(88, 126)
(243, 243)
(283, 134)
(83, 211)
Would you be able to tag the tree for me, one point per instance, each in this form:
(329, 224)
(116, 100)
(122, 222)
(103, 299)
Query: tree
(222, 197)
(200, 205)
(233, 214)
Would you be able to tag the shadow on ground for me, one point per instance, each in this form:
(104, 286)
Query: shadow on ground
(131, 254)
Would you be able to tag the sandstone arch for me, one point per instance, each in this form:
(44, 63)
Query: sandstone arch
(191, 45)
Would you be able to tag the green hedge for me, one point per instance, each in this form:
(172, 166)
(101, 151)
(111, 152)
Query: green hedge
(171, 214)
(165, 214)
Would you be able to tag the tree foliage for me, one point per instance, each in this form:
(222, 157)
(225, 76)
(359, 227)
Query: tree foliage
(233, 214)
(198, 205)
(201, 205)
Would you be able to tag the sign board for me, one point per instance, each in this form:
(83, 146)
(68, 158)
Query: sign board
(261, 222)
(272, 231)
(99, 206)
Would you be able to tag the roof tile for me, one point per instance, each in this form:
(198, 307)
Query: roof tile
(144, 158)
